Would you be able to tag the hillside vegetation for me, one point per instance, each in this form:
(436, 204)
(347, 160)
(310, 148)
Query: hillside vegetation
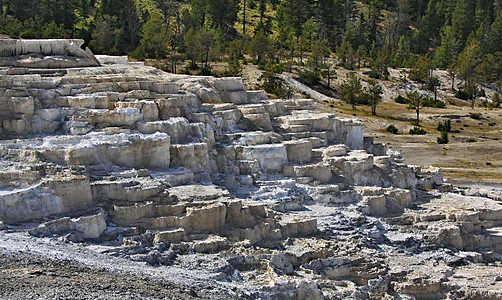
(424, 54)
(464, 36)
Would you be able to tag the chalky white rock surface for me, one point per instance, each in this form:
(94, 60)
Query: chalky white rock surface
(266, 197)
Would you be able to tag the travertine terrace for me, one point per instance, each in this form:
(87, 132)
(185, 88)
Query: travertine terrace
(269, 198)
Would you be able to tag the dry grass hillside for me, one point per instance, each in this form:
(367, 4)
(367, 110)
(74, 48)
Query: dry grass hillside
(473, 154)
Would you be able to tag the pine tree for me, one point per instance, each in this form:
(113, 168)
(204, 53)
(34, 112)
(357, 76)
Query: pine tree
(105, 35)
(495, 34)
(462, 23)
(155, 38)
(416, 102)
(374, 19)
(375, 92)
(294, 13)
(445, 55)
(467, 64)
(351, 89)
(260, 46)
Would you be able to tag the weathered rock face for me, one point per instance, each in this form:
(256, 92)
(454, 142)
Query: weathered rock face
(56, 53)
(60, 193)
(197, 165)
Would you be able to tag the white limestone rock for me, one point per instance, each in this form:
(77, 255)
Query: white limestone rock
(320, 171)
(178, 129)
(128, 189)
(350, 132)
(209, 218)
(174, 176)
(244, 216)
(375, 205)
(291, 226)
(73, 54)
(336, 150)
(19, 126)
(170, 236)
(193, 156)
(299, 150)
(197, 192)
(89, 227)
(256, 96)
(112, 60)
(311, 121)
(260, 121)
(211, 244)
(55, 195)
(272, 157)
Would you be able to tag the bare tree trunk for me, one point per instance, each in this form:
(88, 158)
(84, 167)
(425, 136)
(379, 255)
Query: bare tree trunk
(329, 77)
(244, 19)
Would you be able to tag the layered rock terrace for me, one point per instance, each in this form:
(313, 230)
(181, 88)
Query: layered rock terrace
(271, 195)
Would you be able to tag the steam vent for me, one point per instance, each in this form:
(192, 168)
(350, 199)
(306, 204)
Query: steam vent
(198, 182)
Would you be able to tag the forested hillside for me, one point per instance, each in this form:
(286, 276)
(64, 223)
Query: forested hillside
(464, 36)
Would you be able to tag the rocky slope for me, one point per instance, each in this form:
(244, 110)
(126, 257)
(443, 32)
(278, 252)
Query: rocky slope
(264, 198)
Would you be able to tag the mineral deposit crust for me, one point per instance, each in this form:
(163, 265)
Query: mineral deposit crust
(270, 196)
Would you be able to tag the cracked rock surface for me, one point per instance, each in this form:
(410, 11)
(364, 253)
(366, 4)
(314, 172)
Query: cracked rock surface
(185, 187)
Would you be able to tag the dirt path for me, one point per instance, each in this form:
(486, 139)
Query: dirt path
(24, 276)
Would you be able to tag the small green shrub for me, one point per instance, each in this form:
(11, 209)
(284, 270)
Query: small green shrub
(471, 140)
(191, 65)
(445, 126)
(205, 72)
(418, 130)
(430, 102)
(475, 116)
(392, 129)
(363, 99)
(185, 71)
(439, 104)
(443, 139)
(400, 99)
(374, 74)
(492, 124)
(461, 94)
(310, 77)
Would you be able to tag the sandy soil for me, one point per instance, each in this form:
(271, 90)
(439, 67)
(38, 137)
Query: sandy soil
(472, 155)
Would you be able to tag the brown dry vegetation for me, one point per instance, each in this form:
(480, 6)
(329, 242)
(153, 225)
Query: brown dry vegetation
(473, 154)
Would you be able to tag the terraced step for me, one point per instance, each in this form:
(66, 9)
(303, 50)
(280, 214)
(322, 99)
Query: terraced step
(319, 171)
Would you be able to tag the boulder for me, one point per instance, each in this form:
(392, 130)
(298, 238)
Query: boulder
(87, 227)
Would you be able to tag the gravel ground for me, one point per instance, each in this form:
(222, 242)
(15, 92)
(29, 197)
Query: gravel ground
(49, 268)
